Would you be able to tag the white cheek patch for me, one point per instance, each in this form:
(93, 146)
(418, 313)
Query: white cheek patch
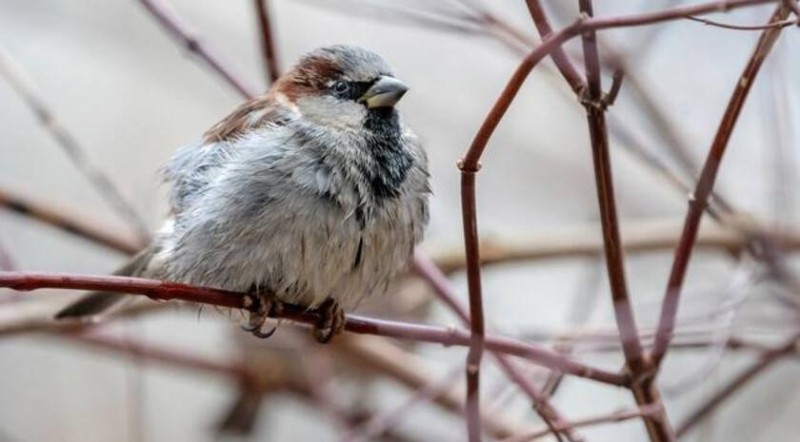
(333, 113)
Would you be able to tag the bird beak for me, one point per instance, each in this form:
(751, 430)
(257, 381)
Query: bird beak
(385, 92)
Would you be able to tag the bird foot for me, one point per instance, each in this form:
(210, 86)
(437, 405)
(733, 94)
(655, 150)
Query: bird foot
(330, 323)
(263, 309)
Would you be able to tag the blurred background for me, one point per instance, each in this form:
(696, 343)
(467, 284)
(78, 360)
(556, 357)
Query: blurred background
(128, 93)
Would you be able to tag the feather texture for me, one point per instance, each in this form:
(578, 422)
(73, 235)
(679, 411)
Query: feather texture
(303, 193)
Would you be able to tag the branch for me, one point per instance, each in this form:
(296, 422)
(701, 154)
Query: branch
(406, 368)
(645, 393)
(23, 84)
(608, 208)
(732, 237)
(699, 199)
(477, 332)
(166, 291)
(560, 58)
(557, 39)
(710, 405)
(619, 416)
(163, 12)
(444, 290)
(68, 222)
(778, 24)
(268, 52)
(160, 355)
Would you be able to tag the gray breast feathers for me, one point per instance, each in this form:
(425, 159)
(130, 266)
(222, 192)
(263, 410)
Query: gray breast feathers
(273, 211)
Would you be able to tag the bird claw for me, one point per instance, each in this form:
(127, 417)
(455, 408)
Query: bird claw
(331, 321)
(257, 332)
(265, 307)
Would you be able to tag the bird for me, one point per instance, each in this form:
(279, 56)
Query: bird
(314, 194)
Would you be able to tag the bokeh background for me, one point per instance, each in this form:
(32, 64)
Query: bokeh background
(131, 95)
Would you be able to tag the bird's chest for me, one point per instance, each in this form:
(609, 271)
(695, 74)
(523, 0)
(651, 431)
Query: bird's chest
(336, 253)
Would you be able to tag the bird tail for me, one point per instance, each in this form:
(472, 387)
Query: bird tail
(94, 303)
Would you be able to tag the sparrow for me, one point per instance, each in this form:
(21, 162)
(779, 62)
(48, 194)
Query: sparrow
(313, 194)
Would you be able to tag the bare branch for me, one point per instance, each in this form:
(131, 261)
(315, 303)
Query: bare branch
(778, 24)
(618, 416)
(68, 222)
(23, 84)
(162, 11)
(167, 291)
(766, 361)
(268, 52)
(699, 198)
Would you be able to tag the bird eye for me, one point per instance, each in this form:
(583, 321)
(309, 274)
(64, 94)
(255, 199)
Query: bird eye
(340, 87)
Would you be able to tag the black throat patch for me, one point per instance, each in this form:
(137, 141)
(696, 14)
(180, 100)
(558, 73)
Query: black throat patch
(385, 144)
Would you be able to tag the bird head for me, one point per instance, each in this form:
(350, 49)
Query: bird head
(341, 86)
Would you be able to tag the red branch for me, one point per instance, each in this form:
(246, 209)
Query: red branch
(269, 54)
(471, 164)
(645, 393)
(165, 291)
(444, 291)
(598, 131)
(557, 39)
(560, 58)
(178, 28)
(699, 199)
(477, 332)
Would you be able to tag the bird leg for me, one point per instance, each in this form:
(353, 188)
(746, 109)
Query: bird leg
(261, 308)
(331, 321)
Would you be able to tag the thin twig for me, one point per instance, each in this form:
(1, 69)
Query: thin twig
(502, 29)
(616, 85)
(444, 290)
(68, 222)
(395, 14)
(557, 39)
(584, 305)
(24, 85)
(699, 199)
(268, 53)
(560, 58)
(408, 369)
(618, 416)
(731, 237)
(541, 404)
(153, 353)
(166, 291)
(179, 29)
(778, 24)
(709, 406)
